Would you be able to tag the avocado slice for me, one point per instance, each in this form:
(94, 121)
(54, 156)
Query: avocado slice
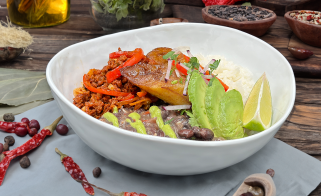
(196, 92)
(213, 96)
(230, 115)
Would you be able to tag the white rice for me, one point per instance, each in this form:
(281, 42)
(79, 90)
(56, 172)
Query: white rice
(233, 75)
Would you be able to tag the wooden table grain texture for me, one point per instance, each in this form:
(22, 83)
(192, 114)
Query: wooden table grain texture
(301, 129)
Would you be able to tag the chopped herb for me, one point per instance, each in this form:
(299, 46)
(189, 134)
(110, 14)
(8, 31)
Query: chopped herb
(171, 72)
(182, 111)
(211, 81)
(169, 121)
(214, 65)
(192, 120)
(168, 55)
(174, 82)
(181, 80)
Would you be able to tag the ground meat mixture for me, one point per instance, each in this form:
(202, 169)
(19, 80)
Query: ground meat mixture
(96, 104)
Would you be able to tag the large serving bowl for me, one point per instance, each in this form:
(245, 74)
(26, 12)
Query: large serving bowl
(165, 155)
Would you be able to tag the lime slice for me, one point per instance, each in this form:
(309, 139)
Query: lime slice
(257, 114)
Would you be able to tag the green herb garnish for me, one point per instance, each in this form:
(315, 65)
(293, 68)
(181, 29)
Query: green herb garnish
(214, 65)
(181, 80)
(192, 120)
(174, 82)
(171, 55)
(169, 121)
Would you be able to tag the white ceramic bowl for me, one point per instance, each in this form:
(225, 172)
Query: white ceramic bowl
(165, 155)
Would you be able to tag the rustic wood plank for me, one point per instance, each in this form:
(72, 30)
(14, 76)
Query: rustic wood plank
(191, 13)
(186, 2)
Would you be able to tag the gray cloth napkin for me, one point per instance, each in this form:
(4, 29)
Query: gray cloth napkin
(296, 173)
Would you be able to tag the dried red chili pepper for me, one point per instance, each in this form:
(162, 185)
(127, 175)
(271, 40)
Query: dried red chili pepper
(74, 170)
(10, 127)
(33, 143)
(113, 194)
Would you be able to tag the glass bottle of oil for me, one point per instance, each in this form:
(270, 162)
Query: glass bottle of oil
(38, 13)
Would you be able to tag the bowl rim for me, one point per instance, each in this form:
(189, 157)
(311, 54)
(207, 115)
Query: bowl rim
(164, 139)
(266, 20)
(287, 16)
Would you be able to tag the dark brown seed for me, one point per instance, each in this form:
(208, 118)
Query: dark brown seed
(300, 53)
(5, 147)
(24, 162)
(1, 148)
(271, 172)
(8, 117)
(1, 157)
(206, 134)
(10, 140)
(185, 133)
(97, 172)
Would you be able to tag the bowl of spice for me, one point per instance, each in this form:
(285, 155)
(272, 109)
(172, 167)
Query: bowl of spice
(306, 25)
(13, 41)
(250, 19)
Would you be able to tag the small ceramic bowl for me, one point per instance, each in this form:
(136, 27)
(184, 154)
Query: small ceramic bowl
(159, 21)
(8, 53)
(256, 28)
(308, 33)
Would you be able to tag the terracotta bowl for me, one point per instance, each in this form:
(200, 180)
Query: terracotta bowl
(166, 21)
(256, 28)
(308, 33)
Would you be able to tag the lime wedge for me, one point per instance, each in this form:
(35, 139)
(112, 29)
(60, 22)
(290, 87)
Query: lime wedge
(257, 114)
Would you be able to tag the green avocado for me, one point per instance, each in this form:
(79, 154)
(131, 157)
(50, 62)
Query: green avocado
(230, 115)
(196, 92)
(213, 96)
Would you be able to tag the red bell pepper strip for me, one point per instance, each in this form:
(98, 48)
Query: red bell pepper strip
(114, 74)
(31, 144)
(223, 84)
(129, 96)
(181, 69)
(115, 55)
(101, 91)
(75, 172)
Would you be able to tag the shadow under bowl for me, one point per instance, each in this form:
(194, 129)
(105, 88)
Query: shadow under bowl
(308, 33)
(256, 28)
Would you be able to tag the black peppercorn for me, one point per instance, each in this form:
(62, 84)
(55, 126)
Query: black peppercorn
(8, 117)
(97, 172)
(24, 162)
(10, 140)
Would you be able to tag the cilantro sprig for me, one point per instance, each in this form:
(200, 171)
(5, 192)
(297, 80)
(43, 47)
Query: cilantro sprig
(171, 55)
(214, 65)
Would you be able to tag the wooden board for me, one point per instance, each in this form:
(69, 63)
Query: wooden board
(186, 2)
(280, 7)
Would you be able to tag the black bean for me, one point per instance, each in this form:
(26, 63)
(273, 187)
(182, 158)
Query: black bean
(206, 134)
(97, 172)
(186, 133)
(24, 162)
(10, 140)
(196, 131)
(8, 117)
(271, 172)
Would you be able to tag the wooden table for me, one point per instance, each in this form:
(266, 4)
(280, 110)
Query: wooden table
(301, 130)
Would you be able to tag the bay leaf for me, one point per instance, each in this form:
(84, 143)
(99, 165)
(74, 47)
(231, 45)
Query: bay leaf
(21, 108)
(18, 87)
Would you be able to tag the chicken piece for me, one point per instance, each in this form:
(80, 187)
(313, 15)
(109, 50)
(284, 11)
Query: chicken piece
(151, 78)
